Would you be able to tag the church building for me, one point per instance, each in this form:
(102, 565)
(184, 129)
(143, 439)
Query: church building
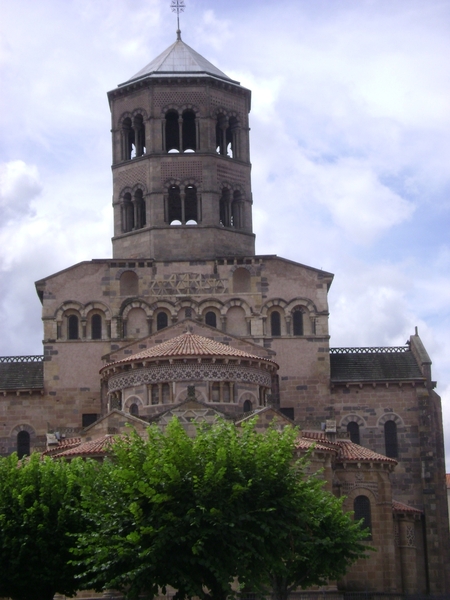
(186, 320)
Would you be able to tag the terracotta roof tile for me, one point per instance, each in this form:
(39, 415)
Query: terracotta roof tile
(348, 451)
(190, 345)
(400, 507)
(97, 447)
(305, 444)
(62, 445)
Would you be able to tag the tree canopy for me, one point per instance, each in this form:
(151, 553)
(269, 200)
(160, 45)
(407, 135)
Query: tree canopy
(200, 513)
(38, 498)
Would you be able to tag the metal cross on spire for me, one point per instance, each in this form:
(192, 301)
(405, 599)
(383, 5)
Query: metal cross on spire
(178, 6)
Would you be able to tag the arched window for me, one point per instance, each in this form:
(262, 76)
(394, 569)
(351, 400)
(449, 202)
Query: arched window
(72, 327)
(227, 136)
(361, 507)
(23, 444)
(134, 409)
(189, 131)
(353, 430)
(127, 213)
(127, 139)
(172, 131)
(390, 439)
(275, 323)
(297, 322)
(96, 327)
(248, 407)
(161, 320)
(211, 319)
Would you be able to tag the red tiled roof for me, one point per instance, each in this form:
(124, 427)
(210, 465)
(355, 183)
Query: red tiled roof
(96, 447)
(305, 444)
(63, 444)
(400, 507)
(190, 345)
(348, 451)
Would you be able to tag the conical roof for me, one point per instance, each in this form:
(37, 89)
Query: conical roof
(192, 346)
(182, 60)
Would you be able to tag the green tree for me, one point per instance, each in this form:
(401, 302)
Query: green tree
(37, 502)
(198, 513)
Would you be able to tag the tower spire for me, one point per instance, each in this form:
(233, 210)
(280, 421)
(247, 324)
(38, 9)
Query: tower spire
(178, 6)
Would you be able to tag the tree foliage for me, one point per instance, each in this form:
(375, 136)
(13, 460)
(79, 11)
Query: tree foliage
(198, 513)
(38, 499)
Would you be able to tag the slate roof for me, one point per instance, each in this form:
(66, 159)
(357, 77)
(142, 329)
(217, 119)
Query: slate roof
(181, 59)
(18, 374)
(368, 364)
(190, 345)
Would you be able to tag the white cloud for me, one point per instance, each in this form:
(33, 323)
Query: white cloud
(20, 184)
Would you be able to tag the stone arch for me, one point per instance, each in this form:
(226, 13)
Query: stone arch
(127, 306)
(187, 309)
(352, 417)
(98, 321)
(132, 131)
(390, 417)
(95, 305)
(70, 305)
(169, 306)
(23, 427)
(238, 302)
(275, 302)
(182, 393)
(129, 283)
(248, 397)
(132, 399)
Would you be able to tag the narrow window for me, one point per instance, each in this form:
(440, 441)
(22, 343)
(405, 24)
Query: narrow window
(390, 439)
(175, 213)
(221, 134)
(235, 220)
(211, 319)
(139, 135)
(96, 327)
(215, 392)
(72, 327)
(361, 507)
(139, 210)
(297, 322)
(127, 139)
(248, 407)
(226, 392)
(224, 208)
(127, 213)
(188, 131)
(190, 205)
(275, 323)
(172, 132)
(155, 394)
(165, 393)
(134, 409)
(353, 431)
(23, 444)
(161, 320)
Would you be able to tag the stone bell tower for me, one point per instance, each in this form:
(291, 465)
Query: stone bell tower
(181, 161)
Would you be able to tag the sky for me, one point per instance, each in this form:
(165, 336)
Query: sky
(350, 147)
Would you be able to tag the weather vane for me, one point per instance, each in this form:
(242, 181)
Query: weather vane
(178, 6)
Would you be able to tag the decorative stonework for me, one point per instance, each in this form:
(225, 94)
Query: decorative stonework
(181, 169)
(183, 284)
(348, 487)
(186, 372)
(410, 536)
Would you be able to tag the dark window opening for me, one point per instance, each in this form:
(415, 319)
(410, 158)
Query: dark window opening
(353, 431)
(211, 319)
(227, 136)
(23, 444)
(174, 204)
(161, 320)
(248, 406)
(139, 210)
(235, 220)
(390, 439)
(361, 506)
(134, 409)
(155, 394)
(275, 323)
(139, 135)
(87, 419)
(215, 392)
(189, 131)
(224, 208)
(190, 204)
(127, 139)
(127, 213)
(165, 393)
(96, 327)
(297, 322)
(72, 327)
(172, 132)
(288, 412)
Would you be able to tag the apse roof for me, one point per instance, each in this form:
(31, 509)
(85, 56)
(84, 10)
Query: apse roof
(182, 60)
(190, 345)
